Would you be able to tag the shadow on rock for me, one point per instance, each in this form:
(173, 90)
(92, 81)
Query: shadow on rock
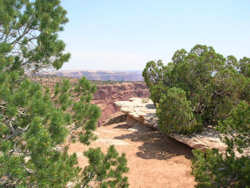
(116, 119)
(150, 106)
(123, 126)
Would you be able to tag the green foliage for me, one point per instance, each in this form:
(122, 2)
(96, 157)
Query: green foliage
(210, 81)
(213, 169)
(105, 170)
(236, 128)
(201, 88)
(244, 65)
(175, 110)
(153, 76)
(29, 32)
(34, 120)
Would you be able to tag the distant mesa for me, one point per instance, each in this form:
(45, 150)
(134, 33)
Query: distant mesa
(100, 75)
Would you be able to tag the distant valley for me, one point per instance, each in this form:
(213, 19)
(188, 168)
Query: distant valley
(101, 75)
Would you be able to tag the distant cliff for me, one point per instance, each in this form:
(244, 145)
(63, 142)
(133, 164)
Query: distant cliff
(107, 94)
(104, 75)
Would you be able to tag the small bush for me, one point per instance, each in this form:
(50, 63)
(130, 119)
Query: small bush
(213, 169)
(175, 113)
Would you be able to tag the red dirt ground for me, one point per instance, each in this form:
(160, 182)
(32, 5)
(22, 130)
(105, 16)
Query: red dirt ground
(154, 160)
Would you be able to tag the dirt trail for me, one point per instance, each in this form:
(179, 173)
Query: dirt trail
(155, 161)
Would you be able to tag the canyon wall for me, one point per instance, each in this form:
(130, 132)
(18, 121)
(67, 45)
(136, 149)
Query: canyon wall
(107, 94)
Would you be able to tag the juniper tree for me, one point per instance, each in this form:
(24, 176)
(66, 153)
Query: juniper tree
(34, 120)
(210, 81)
(175, 109)
(201, 88)
(153, 77)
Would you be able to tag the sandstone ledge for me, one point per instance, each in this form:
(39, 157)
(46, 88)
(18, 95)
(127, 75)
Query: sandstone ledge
(142, 111)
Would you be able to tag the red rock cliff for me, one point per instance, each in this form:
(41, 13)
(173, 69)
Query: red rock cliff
(106, 95)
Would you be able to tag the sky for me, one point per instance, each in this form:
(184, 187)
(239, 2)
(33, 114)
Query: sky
(126, 34)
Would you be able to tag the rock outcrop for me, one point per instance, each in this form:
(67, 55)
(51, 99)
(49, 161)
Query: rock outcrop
(142, 111)
(107, 94)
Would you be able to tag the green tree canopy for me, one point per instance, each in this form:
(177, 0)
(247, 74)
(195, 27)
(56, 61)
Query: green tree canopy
(35, 120)
(29, 32)
(201, 88)
(210, 81)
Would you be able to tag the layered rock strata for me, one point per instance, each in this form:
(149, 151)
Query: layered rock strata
(106, 96)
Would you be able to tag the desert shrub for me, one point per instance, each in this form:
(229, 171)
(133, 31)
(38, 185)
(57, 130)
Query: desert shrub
(213, 84)
(106, 170)
(214, 169)
(175, 111)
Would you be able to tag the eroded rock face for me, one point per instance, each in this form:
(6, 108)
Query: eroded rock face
(121, 91)
(143, 112)
(106, 95)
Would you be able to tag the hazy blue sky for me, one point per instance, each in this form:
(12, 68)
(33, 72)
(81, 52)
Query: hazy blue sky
(125, 34)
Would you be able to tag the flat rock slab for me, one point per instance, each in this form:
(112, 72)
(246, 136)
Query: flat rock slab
(142, 110)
